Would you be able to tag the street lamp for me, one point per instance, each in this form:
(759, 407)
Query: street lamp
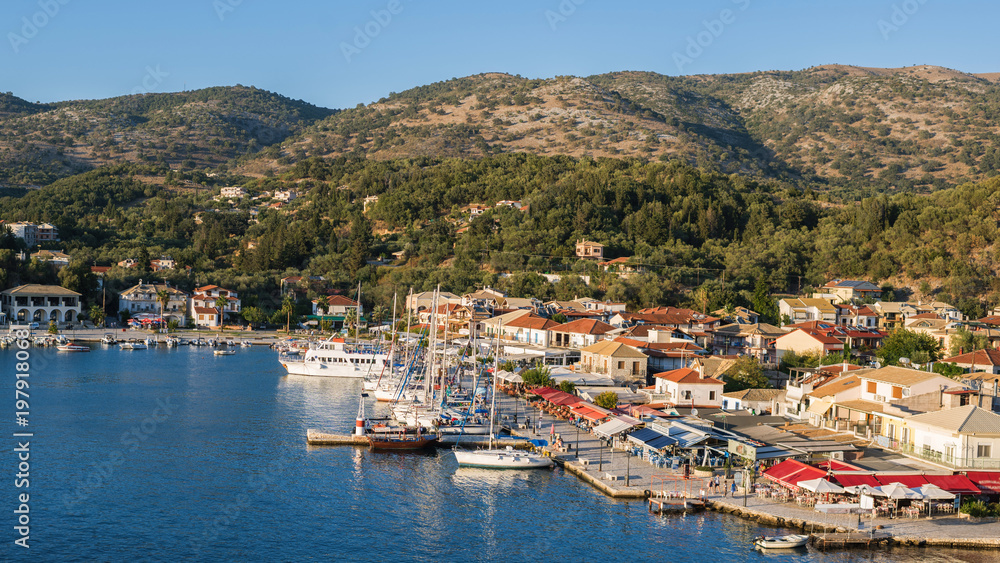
(600, 449)
(576, 448)
(628, 465)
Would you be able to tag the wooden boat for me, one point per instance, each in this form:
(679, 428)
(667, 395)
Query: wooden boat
(70, 347)
(401, 442)
(781, 542)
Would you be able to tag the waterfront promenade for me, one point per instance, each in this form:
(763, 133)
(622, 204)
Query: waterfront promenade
(600, 462)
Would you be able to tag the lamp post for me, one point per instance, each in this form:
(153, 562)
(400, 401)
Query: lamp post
(628, 465)
(600, 450)
(576, 448)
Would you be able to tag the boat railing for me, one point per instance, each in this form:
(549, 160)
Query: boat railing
(286, 358)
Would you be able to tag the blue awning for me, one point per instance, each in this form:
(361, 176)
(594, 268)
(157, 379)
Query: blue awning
(650, 438)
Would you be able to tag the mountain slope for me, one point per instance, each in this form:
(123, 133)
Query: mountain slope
(203, 128)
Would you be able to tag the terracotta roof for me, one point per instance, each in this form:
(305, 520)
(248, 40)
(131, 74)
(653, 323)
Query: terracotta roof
(688, 376)
(206, 311)
(584, 326)
(990, 357)
(340, 300)
(532, 322)
(819, 337)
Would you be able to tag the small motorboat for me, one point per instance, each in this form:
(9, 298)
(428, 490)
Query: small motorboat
(781, 542)
(70, 347)
(224, 352)
(109, 339)
(133, 345)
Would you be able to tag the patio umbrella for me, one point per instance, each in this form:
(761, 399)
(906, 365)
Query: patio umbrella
(864, 490)
(898, 491)
(821, 486)
(934, 492)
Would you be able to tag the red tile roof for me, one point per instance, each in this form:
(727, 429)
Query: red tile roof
(206, 311)
(584, 326)
(988, 357)
(687, 375)
(532, 321)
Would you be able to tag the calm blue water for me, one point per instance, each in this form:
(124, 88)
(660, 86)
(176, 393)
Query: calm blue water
(168, 455)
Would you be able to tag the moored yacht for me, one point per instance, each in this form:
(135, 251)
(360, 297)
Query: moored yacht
(335, 358)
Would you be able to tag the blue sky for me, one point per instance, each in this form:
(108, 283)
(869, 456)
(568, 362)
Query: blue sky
(338, 54)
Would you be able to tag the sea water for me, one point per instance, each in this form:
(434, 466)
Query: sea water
(179, 455)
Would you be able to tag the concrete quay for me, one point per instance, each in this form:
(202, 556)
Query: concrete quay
(597, 466)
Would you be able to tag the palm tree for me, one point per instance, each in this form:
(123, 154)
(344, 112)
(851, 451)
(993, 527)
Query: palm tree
(163, 298)
(220, 303)
(379, 313)
(287, 305)
(97, 315)
(351, 319)
(323, 304)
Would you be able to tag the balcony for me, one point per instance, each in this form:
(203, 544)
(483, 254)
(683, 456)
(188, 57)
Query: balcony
(939, 458)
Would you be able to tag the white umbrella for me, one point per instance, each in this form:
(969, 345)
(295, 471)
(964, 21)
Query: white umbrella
(934, 492)
(821, 486)
(864, 490)
(898, 491)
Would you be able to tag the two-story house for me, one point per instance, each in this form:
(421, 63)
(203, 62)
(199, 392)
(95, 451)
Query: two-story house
(805, 341)
(686, 387)
(579, 333)
(142, 299)
(620, 361)
(207, 297)
(848, 290)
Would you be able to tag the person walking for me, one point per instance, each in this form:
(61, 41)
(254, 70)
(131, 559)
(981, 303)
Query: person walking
(734, 488)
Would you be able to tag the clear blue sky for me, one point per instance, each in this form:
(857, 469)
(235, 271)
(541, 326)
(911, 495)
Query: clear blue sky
(99, 49)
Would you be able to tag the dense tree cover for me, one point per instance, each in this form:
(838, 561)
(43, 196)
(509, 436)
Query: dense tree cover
(698, 239)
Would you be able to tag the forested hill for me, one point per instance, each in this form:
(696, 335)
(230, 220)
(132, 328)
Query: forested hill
(699, 238)
(201, 129)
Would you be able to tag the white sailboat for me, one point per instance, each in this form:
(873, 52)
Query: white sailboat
(500, 458)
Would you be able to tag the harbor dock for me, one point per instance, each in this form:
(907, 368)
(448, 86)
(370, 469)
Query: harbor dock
(320, 438)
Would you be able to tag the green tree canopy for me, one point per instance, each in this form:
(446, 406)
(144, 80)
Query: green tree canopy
(919, 347)
(746, 373)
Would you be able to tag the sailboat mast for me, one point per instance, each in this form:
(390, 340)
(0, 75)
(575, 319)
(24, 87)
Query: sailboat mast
(496, 371)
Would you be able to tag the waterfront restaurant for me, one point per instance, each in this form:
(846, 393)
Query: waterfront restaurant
(40, 303)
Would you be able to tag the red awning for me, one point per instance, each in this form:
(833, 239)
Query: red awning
(836, 465)
(987, 481)
(545, 392)
(912, 481)
(590, 413)
(790, 472)
(855, 480)
(957, 484)
(561, 398)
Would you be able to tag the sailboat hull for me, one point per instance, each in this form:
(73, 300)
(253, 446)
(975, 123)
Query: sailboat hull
(501, 459)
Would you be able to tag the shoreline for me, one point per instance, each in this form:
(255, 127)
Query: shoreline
(588, 460)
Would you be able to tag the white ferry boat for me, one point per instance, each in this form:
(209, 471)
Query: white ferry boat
(335, 358)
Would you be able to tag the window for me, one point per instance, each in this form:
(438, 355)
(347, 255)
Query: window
(984, 450)
(711, 395)
(686, 395)
(872, 387)
(897, 392)
(621, 365)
